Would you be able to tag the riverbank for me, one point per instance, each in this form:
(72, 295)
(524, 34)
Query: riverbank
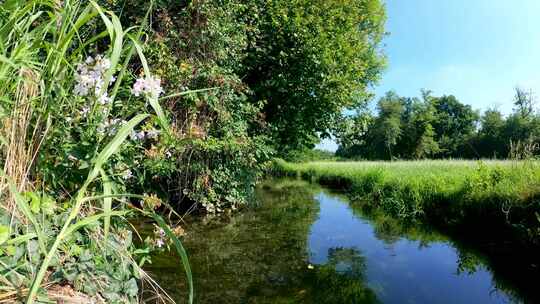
(301, 243)
(487, 195)
(491, 206)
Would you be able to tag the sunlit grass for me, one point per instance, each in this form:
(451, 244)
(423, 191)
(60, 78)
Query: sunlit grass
(444, 191)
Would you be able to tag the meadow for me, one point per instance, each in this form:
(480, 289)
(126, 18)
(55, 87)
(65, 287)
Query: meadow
(452, 194)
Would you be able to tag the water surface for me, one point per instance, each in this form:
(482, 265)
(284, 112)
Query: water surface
(302, 244)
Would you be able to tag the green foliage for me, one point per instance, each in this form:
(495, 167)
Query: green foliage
(446, 193)
(308, 60)
(73, 126)
(440, 127)
(387, 126)
(210, 159)
(309, 155)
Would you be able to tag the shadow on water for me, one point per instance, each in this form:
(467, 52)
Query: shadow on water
(302, 244)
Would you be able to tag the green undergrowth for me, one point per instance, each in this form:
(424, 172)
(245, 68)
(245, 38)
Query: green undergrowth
(453, 194)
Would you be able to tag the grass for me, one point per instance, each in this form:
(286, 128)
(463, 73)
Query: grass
(449, 193)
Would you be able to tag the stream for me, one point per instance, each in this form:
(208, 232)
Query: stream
(303, 244)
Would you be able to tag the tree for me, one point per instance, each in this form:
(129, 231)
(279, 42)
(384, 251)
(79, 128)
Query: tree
(524, 101)
(418, 140)
(308, 60)
(425, 144)
(387, 126)
(490, 142)
(352, 135)
(454, 124)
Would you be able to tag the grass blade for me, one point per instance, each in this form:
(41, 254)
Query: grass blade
(25, 209)
(181, 252)
(107, 152)
(93, 219)
(153, 101)
(107, 202)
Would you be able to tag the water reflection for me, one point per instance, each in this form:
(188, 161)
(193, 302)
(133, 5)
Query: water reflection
(405, 264)
(301, 244)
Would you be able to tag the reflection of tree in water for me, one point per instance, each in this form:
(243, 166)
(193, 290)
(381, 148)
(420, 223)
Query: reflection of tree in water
(256, 256)
(391, 229)
(341, 279)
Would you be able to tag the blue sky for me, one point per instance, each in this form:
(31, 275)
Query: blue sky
(477, 50)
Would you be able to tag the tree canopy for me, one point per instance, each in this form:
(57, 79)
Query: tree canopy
(308, 60)
(440, 127)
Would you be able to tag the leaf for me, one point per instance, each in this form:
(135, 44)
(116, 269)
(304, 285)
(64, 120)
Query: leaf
(131, 288)
(107, 202)
(181, 252)
(34, 202)
(25, 209)
(48, 204)
(4, 234)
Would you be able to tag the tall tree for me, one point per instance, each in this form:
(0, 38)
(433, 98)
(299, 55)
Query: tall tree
(310, 59)
(524, 102)
(352, 135)
(387, 128)
(491, 142)
(454, 125)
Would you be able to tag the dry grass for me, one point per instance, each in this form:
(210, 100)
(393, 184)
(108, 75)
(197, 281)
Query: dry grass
(21, 133)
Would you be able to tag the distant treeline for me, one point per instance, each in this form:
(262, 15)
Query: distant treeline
(440, 127)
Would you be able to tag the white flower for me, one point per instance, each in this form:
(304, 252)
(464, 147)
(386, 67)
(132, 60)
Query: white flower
(149, 87)
(110, 126)
(90, 78)
(160, 243)
(104, 99)
(127, 174)
(161, 232)
(137, 135)
(152, 134)
(72, 158)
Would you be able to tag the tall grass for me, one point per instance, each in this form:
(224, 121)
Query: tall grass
(40, 43)
(451, 193)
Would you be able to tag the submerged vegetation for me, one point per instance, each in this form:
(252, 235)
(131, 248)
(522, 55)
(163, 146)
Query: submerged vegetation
(271, 235)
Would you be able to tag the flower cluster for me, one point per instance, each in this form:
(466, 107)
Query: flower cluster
(110, 126)
(150, 134)
(159, 237)
(90, 78)
(149, 87)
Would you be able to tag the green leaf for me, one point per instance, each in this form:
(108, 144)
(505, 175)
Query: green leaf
(25, 209)
(48, 204)
(181, 252)
(34, 202)
(131, 288)
(107, 202)
(4, 234)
